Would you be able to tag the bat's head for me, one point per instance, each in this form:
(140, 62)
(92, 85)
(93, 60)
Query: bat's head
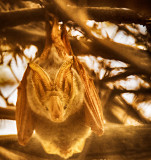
(59, 98)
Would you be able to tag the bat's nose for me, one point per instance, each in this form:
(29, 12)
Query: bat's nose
(56, 116)
(57, 113)
(56, 109)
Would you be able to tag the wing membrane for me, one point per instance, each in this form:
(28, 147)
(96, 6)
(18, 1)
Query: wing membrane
(24, 119)
(93, 112)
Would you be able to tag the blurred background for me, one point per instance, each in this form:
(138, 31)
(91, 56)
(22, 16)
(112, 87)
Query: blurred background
(121, 71)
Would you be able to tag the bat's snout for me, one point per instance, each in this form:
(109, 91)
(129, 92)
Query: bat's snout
(56, 109)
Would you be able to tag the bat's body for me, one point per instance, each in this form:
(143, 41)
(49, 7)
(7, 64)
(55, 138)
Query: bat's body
(68, 135)
(57, 99)
(63, 138)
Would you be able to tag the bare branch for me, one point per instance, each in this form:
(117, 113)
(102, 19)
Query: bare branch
(141, 6)
(139, 91)
(123, 138)
(123, 75)
(24, 16)
(13, 18)
(7, 113)
(107, 49)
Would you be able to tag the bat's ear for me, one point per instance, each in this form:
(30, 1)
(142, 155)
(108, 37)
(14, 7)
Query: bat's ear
(64, 77)
(40, 79)
(24, 118)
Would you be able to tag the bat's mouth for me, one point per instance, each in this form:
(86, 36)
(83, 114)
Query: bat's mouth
(56, 118)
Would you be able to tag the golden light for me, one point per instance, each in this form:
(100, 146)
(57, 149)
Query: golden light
(122, 37)
(8, 127)
(130, 121)
(31, 51)
(129, 97)
(141, 47)
(90, 23)
(6, 76)
(145, 109)
(114, 32)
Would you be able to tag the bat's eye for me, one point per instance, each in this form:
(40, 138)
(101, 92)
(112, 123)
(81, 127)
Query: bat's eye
(46, 108)
(65, 107)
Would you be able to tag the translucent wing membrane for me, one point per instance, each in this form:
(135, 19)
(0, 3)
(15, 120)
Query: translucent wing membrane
(92, 104)
(24, 119)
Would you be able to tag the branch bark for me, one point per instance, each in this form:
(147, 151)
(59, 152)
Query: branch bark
(118, 142)
(141, 6)
(7, 113)
(120, 76)
(24, 16)
(139, 91)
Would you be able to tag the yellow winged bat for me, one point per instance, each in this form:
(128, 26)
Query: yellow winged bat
(57, 99)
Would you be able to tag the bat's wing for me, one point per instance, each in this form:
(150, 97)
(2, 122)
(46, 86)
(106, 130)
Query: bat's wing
(24, 119)
(93, 112)
(92, 104)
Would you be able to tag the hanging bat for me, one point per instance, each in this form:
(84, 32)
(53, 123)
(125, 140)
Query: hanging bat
(57, 98)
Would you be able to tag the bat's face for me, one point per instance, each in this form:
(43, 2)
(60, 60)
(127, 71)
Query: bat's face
(56, 104)
(58, 98)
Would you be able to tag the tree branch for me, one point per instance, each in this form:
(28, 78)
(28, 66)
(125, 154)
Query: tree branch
(7, 113)
(139, 91)
(120, 76)
(141, 6)
(24, 16)
(107, 49)
(136, 58)
(118, 142)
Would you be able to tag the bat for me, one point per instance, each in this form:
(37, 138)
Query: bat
(57, 98)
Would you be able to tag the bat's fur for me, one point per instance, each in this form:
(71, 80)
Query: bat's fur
(57, 98)
(63, 138)
(66, 136)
